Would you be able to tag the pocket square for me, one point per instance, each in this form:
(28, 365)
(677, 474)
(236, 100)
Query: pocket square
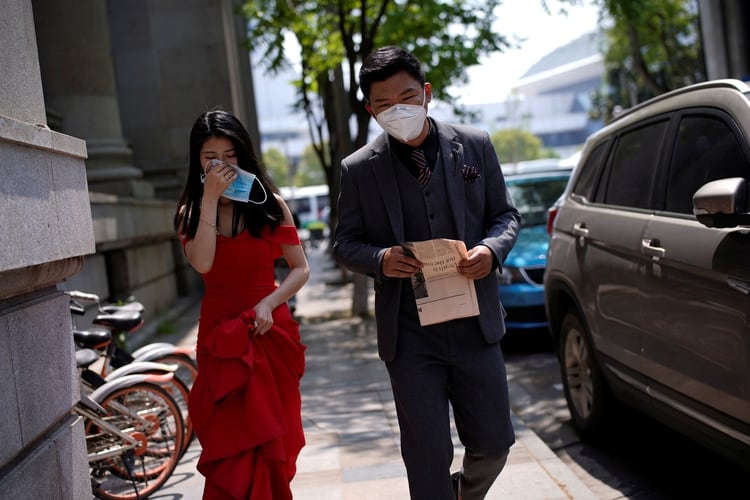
(470, 173)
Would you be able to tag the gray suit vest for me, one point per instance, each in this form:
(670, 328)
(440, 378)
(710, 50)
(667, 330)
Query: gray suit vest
(426, 215)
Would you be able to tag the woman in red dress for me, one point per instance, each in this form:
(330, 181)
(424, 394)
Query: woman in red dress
(245, 402)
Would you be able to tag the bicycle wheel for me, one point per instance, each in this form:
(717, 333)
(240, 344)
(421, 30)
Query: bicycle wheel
(187, 367)
(148, 412)
(180, 392)
(186, 372)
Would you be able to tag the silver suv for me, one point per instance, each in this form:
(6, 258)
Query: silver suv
(647, 288)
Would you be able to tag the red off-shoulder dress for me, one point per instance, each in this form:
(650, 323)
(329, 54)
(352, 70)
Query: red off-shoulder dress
(245, 403)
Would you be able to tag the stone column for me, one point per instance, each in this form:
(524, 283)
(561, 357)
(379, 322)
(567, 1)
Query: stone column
(46, 231)
(173, 61)
(79, 85)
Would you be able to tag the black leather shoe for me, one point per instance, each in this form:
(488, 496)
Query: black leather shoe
(456, 481)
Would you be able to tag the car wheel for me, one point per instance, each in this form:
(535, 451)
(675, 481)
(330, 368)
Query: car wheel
(586, 392)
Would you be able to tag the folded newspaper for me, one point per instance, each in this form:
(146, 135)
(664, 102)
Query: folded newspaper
(441, 293)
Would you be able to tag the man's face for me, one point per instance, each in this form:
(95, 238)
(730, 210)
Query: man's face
(401, 88)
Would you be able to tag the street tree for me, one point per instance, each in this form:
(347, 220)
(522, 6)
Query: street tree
(448, 36)
(652, 47)
(310, 171)
(277, 165)
(513, 145)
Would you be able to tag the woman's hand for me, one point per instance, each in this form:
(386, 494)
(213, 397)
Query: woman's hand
(263, 318)
(217, 177)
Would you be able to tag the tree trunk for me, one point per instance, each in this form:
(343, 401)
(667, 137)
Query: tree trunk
(337, 112)
(361, 294)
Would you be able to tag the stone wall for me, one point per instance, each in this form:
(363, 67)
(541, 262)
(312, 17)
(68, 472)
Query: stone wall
(46, 232)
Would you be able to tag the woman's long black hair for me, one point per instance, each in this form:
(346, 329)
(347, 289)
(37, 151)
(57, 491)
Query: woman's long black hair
(218, 123)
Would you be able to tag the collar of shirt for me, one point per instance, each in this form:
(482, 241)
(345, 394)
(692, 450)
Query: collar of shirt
(429, 146)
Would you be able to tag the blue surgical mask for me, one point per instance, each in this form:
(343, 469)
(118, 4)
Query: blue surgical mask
(239, 189)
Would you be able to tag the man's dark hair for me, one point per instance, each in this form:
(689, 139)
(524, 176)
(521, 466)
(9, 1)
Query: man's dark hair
(385, 62)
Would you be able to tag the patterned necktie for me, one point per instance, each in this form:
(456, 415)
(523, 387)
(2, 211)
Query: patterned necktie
(420, 161)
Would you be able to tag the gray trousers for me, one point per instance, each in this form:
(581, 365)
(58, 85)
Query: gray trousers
(442, 365)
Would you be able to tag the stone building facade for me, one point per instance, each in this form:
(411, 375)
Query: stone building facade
(96, 103)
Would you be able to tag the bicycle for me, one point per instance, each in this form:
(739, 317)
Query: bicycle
(121, 319)
(134, 432)
(117, 361)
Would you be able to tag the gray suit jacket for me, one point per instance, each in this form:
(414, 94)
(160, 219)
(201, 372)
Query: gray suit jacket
(371, 220)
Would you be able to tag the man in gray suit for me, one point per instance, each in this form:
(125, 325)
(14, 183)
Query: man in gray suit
(420, 180)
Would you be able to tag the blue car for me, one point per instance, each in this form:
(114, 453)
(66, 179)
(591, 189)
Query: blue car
(522, 279)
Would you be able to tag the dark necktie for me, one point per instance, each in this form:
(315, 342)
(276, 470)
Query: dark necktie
(423, 172)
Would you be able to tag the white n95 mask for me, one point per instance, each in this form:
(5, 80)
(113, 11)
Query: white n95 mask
(239, 189)
(403, 121)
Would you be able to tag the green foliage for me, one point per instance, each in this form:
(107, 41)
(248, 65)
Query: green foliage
(166, 327)
(310, 171)
(447, 36)
(309, 177)
(549, 153)
(277, 166)
(653, 46)
(513, 145)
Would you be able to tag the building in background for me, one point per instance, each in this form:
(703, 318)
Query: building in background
(553, 98)
(281, 127)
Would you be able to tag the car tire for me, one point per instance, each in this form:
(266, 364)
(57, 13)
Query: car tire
(586, 391)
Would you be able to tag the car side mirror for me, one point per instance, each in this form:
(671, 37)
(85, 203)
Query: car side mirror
(722, 203)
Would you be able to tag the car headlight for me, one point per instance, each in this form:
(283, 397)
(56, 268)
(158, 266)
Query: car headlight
(510, 275)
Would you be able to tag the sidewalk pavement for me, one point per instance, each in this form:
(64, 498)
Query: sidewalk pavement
(352, 449)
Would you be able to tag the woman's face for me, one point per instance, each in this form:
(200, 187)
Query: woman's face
(219, 148)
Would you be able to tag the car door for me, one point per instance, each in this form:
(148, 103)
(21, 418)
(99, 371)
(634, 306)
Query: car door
(609, 232)
(695, 281)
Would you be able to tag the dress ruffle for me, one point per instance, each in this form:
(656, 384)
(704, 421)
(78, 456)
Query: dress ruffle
(245, 408)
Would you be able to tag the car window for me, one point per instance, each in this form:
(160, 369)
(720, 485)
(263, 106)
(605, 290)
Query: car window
(634, 165)
(706, 149)
(587, 179)
(302, 205)
(532, 197)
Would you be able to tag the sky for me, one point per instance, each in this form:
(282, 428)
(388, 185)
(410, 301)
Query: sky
(492, 80)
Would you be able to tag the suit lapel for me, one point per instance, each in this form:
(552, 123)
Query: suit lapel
(383, 171)
(452, 153)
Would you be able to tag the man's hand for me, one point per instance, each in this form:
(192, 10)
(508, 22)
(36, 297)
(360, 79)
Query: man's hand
(396, 264)
(478, 263)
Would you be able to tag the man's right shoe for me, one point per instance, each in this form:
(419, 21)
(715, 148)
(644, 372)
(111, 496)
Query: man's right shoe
(456, 481)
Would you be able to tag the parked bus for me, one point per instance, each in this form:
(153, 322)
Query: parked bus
(310, 203)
